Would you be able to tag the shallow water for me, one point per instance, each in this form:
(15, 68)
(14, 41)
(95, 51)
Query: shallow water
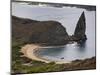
(68, 16)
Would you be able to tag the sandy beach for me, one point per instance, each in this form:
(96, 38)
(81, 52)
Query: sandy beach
(29, 51)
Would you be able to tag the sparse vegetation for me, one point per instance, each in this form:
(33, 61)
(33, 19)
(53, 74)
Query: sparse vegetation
(25, 31)
(21, 64)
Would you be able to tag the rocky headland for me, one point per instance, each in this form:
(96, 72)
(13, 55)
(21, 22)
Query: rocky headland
(79, 33)
(46, 32)
(37, 34)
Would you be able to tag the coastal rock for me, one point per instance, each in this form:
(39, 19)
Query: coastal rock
(52, 33)
(42, 32)
(46, 32)
(79, 34)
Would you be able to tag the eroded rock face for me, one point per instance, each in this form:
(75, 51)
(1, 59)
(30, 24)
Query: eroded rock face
(43, 32)
(46, 32)
(55, 34)
(79, 34)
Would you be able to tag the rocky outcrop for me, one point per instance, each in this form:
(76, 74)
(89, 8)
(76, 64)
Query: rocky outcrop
(42, 32)
(52, 33)
(79, 34)
(46, 32)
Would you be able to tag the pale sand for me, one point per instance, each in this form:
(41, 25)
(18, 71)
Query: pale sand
(29, 51)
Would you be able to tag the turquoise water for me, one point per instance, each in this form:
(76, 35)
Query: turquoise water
(68, 16)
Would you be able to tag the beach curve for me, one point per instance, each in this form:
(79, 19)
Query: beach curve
(29, 51)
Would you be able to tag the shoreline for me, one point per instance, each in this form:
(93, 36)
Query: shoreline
(30, 51)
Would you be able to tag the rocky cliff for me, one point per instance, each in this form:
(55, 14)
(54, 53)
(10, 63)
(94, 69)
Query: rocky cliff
(79, 34)
(42, 32)
(46, 32)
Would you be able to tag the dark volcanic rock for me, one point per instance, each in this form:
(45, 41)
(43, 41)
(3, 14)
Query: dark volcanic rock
(42, 32)
(79, 34)
(46, 32)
